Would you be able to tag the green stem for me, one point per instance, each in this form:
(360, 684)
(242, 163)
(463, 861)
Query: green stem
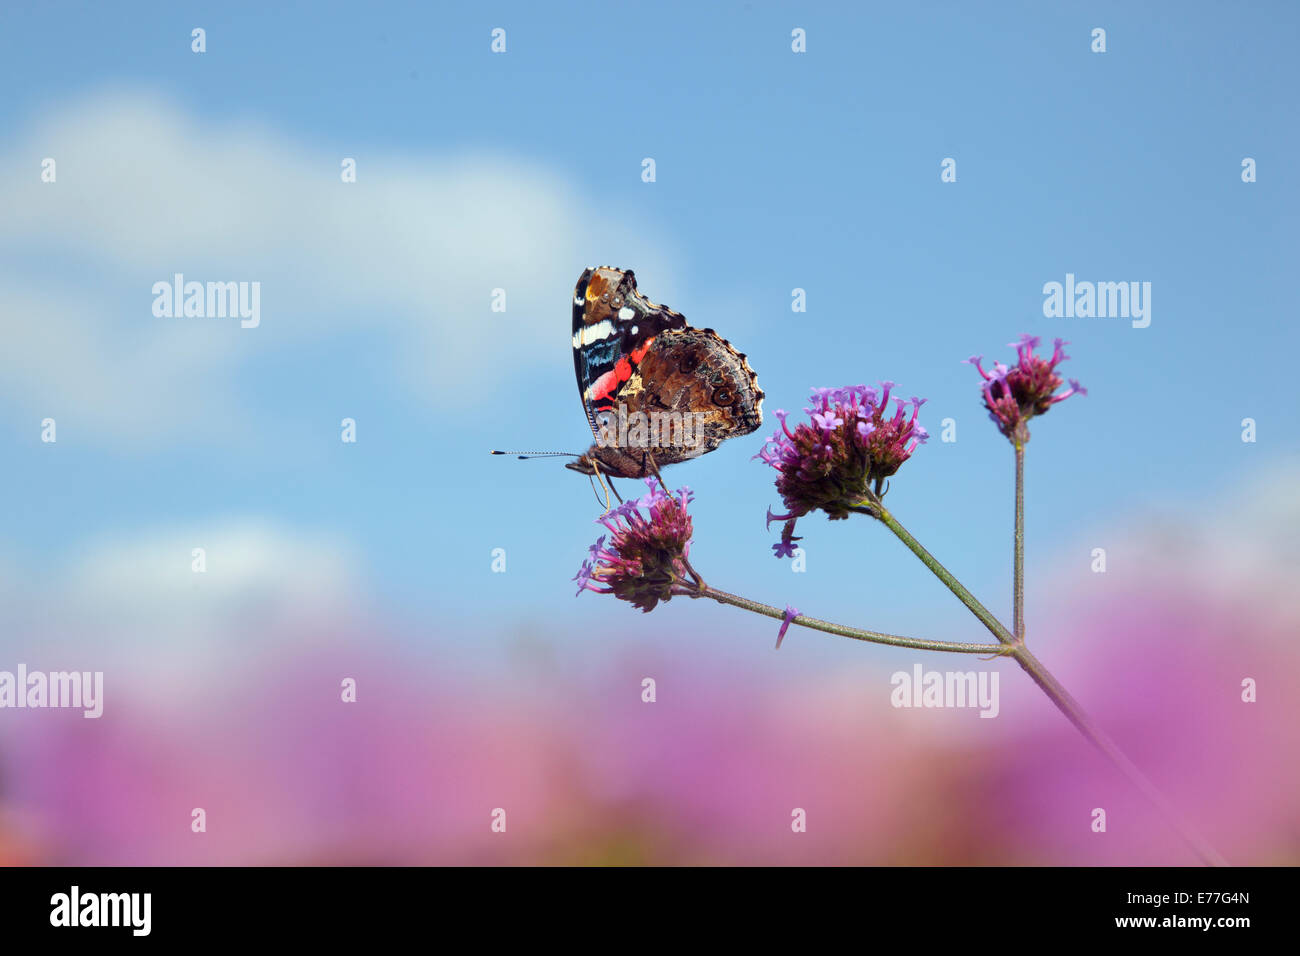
(1018, 588)
(874, 637)
(1052, 688)
(1102, 741)
(878, 510)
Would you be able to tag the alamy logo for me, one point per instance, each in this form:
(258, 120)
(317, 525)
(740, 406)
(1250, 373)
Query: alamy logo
(103, 909)
(946, 689)
(212, 300)
(1102, 300)
(82, 689)
(653, 430)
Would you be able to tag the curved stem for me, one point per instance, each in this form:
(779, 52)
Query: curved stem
(1055, 692)
(1102, 741)
(874, 637)
(996, 628)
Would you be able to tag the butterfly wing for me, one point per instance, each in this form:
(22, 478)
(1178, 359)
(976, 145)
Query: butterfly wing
(699, 373)
(613, 328)
(689, 392)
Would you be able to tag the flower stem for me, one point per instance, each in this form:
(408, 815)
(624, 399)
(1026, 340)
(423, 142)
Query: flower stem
(1018, 588)
(874, 637)
(1102, 741)
(996, 628)
(1052, 687)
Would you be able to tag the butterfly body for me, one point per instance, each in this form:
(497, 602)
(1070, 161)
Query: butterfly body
(655, 389)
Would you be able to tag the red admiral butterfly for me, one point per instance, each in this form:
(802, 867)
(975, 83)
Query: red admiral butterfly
(656, 390)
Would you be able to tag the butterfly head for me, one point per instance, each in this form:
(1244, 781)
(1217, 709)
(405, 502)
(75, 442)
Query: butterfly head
(613, 462)
(583, 463)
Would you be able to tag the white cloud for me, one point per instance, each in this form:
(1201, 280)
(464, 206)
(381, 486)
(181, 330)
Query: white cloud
(1239, 549)
(408, 255)
(133, 607)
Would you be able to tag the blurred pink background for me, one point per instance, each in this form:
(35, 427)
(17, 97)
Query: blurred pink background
(588, 773)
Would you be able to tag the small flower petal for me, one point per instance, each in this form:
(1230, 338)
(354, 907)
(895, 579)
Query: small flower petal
(790, 614)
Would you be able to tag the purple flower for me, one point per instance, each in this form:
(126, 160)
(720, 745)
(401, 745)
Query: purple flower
(583, 577)
(828, 421)
(784, 548)
(850, 445)
(645, 560)
(1016, 394)
(790, 614)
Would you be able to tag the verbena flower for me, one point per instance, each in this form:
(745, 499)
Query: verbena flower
(1016, 394)
(646, 555)
(847, 448)
(790, 614)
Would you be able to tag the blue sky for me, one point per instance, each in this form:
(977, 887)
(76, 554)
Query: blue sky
(774, 171)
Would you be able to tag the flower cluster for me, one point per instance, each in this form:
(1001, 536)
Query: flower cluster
(1016, 394)
(646, 558)
(846, 450)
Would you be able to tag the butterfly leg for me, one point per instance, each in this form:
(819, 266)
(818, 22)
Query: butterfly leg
(649, 459)
(607, 484)
(592, 479)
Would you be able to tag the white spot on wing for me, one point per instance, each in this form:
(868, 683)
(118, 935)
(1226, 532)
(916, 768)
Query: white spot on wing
(593, 333)
(625, 313)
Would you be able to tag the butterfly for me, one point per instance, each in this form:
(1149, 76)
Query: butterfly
(655, 389)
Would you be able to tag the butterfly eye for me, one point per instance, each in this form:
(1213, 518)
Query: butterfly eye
(723, 397)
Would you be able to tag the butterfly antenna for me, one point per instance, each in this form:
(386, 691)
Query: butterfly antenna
(535, 454)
